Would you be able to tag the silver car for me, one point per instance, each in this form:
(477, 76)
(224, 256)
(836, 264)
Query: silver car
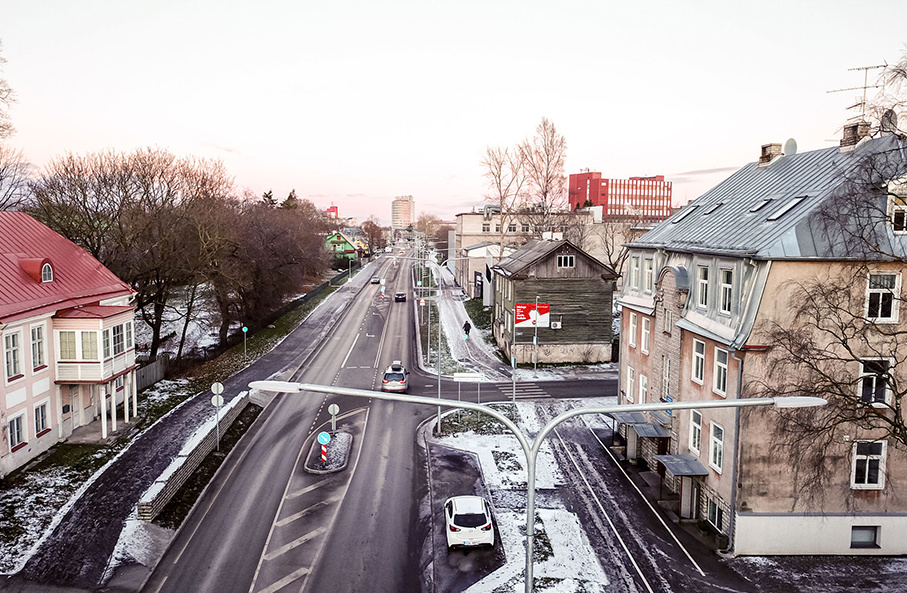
(395, 378)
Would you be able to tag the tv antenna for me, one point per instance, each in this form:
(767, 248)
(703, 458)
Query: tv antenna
(861, 103)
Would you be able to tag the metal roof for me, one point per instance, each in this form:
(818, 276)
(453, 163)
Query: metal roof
(78, 278)
(535, 250)
(728, 218)
(651, 431)
(682, 465)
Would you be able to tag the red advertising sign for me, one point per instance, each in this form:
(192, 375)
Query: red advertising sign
(527, 315)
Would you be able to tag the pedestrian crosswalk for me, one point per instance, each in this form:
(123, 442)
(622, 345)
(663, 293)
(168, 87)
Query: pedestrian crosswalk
(523, 390)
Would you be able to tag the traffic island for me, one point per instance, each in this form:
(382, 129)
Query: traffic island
(329, 457)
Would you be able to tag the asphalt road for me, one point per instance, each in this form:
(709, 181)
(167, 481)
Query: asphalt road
(245, 534)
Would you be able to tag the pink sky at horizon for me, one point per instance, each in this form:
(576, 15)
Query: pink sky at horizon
(353, 104)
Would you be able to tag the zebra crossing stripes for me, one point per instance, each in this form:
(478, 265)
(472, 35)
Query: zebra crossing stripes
(523, 390)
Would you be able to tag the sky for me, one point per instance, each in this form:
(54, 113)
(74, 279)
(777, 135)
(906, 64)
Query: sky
(353, 103)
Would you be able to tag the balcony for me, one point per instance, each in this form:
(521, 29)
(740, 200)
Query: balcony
(94, 370)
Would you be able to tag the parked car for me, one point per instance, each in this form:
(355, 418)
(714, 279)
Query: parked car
(375, 280)
(395, 378)
(400, 297)
(468, 522)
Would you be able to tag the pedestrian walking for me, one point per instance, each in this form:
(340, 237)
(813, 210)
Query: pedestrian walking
(466, 328)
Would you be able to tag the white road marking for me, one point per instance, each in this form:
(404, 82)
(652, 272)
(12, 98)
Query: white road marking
(286, 580)
(307, 489)
(351, 351)
(296, 542)
(318, 505)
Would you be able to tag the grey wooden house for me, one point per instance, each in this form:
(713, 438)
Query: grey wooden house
(553, 301)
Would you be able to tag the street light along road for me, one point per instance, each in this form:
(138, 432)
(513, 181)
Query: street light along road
(531, 451)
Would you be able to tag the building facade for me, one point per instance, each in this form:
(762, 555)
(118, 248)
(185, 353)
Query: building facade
(403, 212)
(636, 198)
(553, 304)
(703, 292)
(68, 341)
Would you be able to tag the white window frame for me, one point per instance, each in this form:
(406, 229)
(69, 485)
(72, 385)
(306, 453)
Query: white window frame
(649, 276)
(38, 345)
(47, 273)
(695, 443)
(105, 338)
(525, 228)
(868, 457)
(702, 287)
(130, 343)
(865, 375)
(634, 272)
(631, 341)
(12, 355)
(566, 261)
(75, 344)
(21, 433)
(669, 320)
(726, 294)
(511, 227)
(41, 416)
(85, 353)
(716, 447)
(486, 228)
(895, 297)
(631, 383)
(665, 377)
(714, 513)
(643, 389)
(646, 335)
(698, 375)
(118, 337)
(719, 379)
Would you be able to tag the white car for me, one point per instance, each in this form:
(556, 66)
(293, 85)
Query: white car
(468, 522)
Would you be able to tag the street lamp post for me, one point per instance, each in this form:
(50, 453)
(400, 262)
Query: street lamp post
(531, 451)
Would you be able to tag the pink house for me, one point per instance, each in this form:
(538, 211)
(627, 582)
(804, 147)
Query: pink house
(68, 341)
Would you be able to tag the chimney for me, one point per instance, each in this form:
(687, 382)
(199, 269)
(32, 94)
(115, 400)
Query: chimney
(769, 151)
(855, 132)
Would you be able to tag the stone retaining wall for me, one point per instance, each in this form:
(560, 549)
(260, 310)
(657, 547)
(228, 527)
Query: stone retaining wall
(202, 442)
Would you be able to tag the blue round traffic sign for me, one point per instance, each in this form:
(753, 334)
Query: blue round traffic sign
(324, 438)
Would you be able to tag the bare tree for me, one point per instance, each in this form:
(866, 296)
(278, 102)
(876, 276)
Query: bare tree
(505, 173)
(543, 156)
(374, 236)
(7, 98)
(427, 224)
(844, 338)
(14, 178)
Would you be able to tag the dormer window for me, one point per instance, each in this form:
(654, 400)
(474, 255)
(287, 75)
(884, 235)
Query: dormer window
(898, 214)
(47, 273)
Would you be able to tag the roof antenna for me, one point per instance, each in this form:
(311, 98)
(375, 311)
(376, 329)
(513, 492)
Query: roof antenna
(861, 103)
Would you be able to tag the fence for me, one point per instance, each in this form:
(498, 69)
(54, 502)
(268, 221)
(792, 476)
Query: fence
(151, 372)
(189, 458)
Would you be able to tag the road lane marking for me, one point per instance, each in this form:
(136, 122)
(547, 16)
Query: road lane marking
(295, 543)
(318, 505)
(353, 345)
(286, 580)
(307, 489)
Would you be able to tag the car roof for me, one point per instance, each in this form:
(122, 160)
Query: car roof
(468, 504)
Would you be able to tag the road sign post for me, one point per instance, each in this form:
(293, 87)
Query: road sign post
(324, 438)
(217, 401)
(333, 410)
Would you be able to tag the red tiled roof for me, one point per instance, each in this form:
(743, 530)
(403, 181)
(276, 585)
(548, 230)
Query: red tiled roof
(78, 278)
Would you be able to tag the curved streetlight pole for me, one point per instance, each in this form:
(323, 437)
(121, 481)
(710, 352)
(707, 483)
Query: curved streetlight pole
(531, 452)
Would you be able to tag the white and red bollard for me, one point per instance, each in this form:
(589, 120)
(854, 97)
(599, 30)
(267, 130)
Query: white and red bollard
(324, 453)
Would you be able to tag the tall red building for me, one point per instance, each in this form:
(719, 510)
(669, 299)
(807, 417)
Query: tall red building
(637, 198)
(333, 212)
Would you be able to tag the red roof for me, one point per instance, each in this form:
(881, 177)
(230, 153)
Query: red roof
(92, 312)
(78, 278)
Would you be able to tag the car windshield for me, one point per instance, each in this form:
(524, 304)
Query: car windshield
(393, 377)
(470, 520)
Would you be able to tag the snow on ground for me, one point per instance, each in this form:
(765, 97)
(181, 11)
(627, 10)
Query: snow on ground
(572, 566)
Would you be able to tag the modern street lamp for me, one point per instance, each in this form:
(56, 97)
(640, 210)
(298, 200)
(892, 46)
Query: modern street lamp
(531, 451)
